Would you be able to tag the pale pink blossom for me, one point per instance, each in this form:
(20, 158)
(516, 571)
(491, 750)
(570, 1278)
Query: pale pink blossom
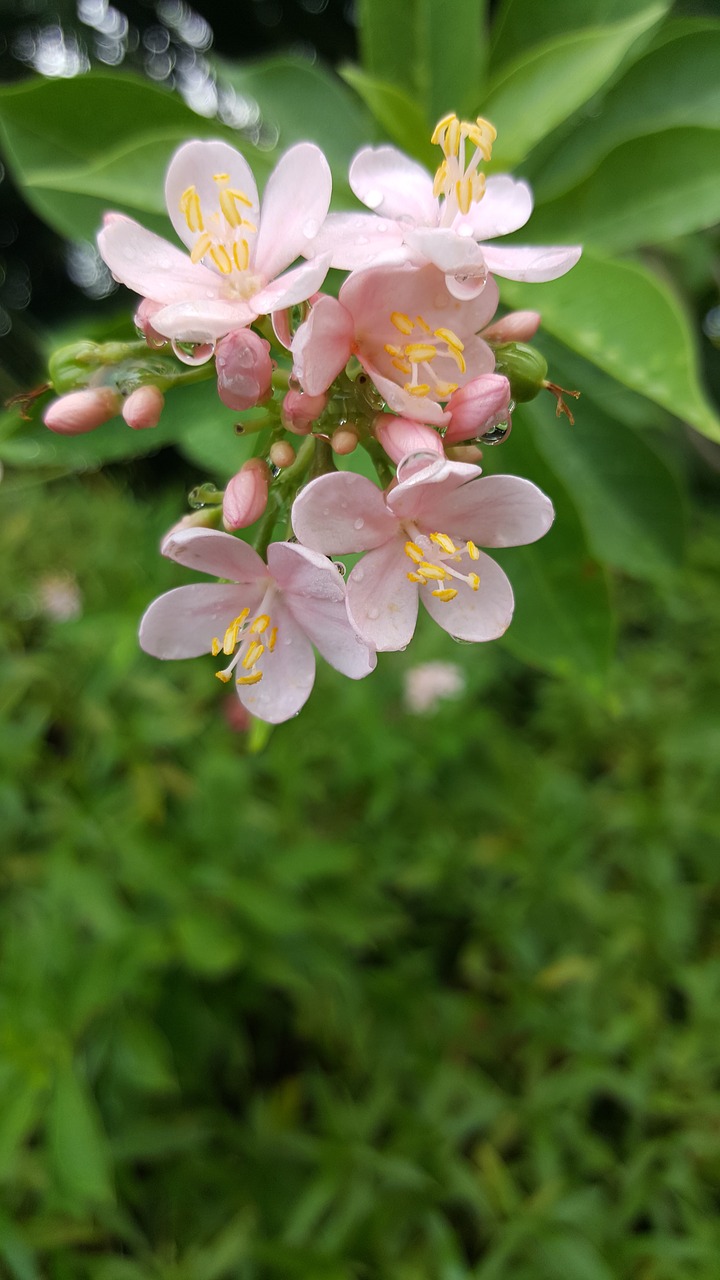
(246, 495)
(451, 221)
(264, 619)
(238, 247)
(416, 341)
(244, 369)
(143, 407)
(430, 683)
(477, 407)
(81, 411)
(421, 539)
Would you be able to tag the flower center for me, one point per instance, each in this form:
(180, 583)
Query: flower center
(223, 234)
(457, 178)
(439, 569)
(415, 358)
(245, 641)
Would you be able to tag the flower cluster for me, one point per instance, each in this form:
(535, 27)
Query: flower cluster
(409, 361)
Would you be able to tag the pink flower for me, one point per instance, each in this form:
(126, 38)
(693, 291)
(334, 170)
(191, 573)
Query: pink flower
(421, 541)
(417, 342)
(447, 221)
(244, 369)
(81, 411)
(401, 436)
(478, 406)
(237, 248)
(246, 495)
(265, 619)
(143, 407)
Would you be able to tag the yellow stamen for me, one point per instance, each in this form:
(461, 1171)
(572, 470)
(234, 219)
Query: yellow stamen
(221, 177)
(224, 676)
(440, 126)
(273, 639)
(414, 552)
(241, 254)
(402, 322)
(416, 577)
(200, 247)
(422, 324)
(445, 593)
(433, 571)
(255, 652)
(401, 365)
(251, 679)
(419, 352)
(445, 389)
(215, 647)
(474, 581)
(391, 350)
(463, 194)
(420, 389)
(445, 543)
(261, 623)
(221, 258)
(451, 338)
(190, 207)
(440, 180)
(472, 551)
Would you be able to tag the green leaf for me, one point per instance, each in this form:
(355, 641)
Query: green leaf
(78, 1147)
(544, 85)
(304, 102)
(396, 113)
(74, 144)
(628, 500)
(640, 104)
(521, 23)
(624, 318)
(433, 55)
(563, 621)
(647, 191)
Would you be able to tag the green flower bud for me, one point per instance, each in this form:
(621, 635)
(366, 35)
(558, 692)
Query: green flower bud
(524, 367)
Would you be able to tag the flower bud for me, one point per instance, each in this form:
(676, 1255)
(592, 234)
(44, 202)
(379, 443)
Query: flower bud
(244, 369)
(206, 518)
(246, 495)
(518, 326)
(299, 411)
(282, 454)
(344, 440)
(401, 436)
(82, 411)
(143, 407)
(72, 367)
(143, 321)
(476, 407)
(525, 367)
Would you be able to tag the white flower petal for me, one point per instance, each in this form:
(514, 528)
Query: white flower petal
(216, 553)
(505, 207)
(151, 266)
(492, 511)
(342, 513)
(198, 164)
(534, 262)
(294, 207)
(295, 286)
(191, 321)
(357, 240)
(381, 601)
(393, 185)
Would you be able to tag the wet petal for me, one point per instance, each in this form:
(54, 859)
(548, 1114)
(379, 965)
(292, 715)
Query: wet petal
(536, 262)
(505, 207)
(295, 286)
(393, 185)
(357, 240)
(493, 511)
(342, 513)
(288, 672)
(448, 251)
(478, 615)
(314, 593)
(151, 266)
(199, 164)
(322, 345)
(294, 206)
(183, 622)
(304, 574)
(202, 322)
(381, 602)
(216, 553)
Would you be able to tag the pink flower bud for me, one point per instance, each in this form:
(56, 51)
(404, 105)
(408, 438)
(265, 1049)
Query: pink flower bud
(143, 408)
(143, 322)
(477, 407)
(518, 326)
(246, 495)
(401, 436)
(299, 411)
(81, 411)
(244, 369)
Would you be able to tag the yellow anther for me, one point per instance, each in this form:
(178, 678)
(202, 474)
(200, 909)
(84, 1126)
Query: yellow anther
(445, 543)
(445, 389)
(200, 247)
(445, 593)
(241, 254)
(261, 623)
(224, 676)
(416, 577)
(251, 679)
(419, 352)
(463, 194)
(255, 652)
(402, 322)
(419, 389)
(440, 180)
(391, 350)
(483, 134)
(221, 258)
(402, 366)
(215, 647)
(474, 581)
(190, 208)
(221, 177)
(229, 199)
(414, 552)
(435, 572)
(272, 640)
(422, 324)
(451, 338)
(472, 551)
(440, 126)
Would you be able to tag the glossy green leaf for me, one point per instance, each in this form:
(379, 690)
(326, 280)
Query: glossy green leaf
(674, 86)
(433, 54)
(78, 1147)
(563, 621)
(624, 318)
(73, 145)
(542, 87)
(398, 115)
(628, 500)
(522, 23)
(647, 191)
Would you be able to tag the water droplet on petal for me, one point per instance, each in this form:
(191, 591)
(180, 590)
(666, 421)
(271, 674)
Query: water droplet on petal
(373, 613)
(358, 574)
(373, 198)
(359, 523)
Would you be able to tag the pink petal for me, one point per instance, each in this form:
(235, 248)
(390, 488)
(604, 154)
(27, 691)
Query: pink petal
(357, 240)
(401, 436)
(314, 593)
(295, 203)
(281, 327)
(342, 513)
(381, 602)
(322, 345)
(151, 266)
(216, 553)
(535, 263)
(448, 251)
(202, 321)
(183, 622)
(506, 206)
(478, 615)
(194, 165)
(418, 476)
(288, 672)
(493, 511)
(295, 286)
(304, 574)
(393, 185)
